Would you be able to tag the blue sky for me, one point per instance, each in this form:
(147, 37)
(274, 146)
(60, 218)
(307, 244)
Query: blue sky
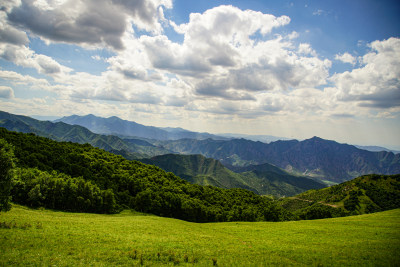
(294, 69)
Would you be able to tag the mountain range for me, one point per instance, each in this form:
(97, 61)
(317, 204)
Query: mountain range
(123, 128)
(116, 126)
(60, 131)
(194, 168)
(315, 157)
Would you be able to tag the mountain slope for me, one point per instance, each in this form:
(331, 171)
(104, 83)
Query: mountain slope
(365, 194)
(315, 157)
(280, 183)
(337, 162)
(74, 133)
(200, 170)
(116, 126)
(206, 171)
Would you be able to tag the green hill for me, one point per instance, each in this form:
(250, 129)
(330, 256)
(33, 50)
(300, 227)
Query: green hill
(365, 194)
(48, 238)
(86, 175)
(264, 179)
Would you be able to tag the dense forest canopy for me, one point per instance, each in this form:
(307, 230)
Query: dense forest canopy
(104, 182)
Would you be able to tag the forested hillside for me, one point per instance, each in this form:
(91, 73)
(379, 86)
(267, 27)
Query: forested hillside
(365, 194)
(262, 179)
(131, 184)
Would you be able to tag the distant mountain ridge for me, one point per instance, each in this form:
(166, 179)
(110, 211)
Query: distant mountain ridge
(378, 149)
(315, 157)
(116, 126)
(60, 131)
(261, 138)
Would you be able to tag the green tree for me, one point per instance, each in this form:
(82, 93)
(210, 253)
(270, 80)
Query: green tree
(6, 173)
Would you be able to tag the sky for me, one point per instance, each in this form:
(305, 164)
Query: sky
(294, 69)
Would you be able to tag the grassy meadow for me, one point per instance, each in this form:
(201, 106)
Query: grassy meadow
(45, 237)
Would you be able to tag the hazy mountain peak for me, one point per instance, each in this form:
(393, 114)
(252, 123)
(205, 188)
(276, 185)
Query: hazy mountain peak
(87, 116)
(116, 118)
(316, 138)
(118, 126)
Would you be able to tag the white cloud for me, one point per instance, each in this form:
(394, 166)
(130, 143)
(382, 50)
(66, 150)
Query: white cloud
(220, 57)
(306, 49)
(17, 78)
(24, 56)
(6, 92)
(346, 58)
(88, 22)
(211, 39)
(377, 83)
(11, 35)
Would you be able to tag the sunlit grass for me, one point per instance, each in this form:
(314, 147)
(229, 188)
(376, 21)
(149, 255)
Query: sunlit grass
(43, 237)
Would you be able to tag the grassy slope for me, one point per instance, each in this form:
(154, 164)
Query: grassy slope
(44, 237)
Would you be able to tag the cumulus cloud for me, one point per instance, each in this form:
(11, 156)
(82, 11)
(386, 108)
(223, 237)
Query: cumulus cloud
(211, 39)
(13, 36)
(229, 53)
(146, 14)
(306, 49)
(377, 82)
(176, 58)
(91, 22)
(346, 58)
(6, 92)
(24, 56)
(18, 78)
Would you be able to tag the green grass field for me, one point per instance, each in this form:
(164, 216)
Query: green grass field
(44, 237)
